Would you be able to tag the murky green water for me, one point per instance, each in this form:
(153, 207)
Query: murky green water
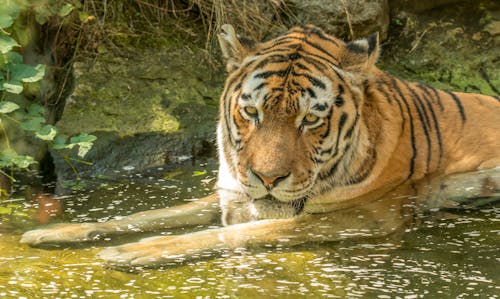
(453, 258)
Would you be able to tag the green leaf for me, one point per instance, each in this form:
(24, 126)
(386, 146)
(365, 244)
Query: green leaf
(47, 133)
(9, 158)
(59, 142)
(36, 110)
(7, 107)
(23, 161)
(20, 115)
(34, 124)
(42, 15)
(84, 148)
(65, 10)
(27, 73)
(14, 57)
(5, 20)
(84, 142)
(199, 173)
(7, 43)
(83, 137)
(6, 157)
(13, 86)
(8, 12)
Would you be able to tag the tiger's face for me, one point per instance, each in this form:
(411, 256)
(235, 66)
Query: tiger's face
(289, 110)
(288, 128)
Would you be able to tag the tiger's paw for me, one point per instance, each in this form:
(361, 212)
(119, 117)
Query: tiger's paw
(62, 233)
(152, 252)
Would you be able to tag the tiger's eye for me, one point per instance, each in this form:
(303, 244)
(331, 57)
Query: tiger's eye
(251, 111)
(310, 118)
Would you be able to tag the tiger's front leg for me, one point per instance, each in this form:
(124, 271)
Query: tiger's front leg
(369, 220)
(203, 211)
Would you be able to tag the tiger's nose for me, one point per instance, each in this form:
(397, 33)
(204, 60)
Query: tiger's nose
(270, 180)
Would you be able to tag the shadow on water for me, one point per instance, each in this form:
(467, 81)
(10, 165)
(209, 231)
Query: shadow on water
(451, 257)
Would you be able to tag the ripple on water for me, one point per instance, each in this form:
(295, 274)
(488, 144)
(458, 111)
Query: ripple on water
(455, 258)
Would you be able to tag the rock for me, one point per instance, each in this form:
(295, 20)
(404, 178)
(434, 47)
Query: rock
(452, 52)
(147, 107)
(113, 154)
(337, 16)
(418, 6)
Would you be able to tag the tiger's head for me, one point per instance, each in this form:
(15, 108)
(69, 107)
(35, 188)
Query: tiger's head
(290, 112)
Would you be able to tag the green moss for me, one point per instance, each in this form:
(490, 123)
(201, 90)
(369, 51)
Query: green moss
(448, 48)
(158, 90)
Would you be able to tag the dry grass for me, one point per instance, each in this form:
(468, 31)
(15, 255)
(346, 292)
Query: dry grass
(254, 19)
(195, 18)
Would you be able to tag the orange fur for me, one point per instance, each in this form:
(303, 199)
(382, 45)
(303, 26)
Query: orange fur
(401, 131)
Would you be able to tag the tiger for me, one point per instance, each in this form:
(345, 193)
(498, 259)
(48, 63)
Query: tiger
(315, 143)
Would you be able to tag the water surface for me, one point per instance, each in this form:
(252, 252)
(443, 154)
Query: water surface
(455, 257)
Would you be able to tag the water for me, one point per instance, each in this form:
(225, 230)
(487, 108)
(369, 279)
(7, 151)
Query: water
(455, 257)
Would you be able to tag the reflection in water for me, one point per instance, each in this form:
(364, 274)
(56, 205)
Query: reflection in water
(447, 258)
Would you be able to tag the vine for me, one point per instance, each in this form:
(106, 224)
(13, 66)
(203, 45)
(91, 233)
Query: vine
(15, 75)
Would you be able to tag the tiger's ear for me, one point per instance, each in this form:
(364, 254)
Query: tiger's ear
(234, 49)
(361, 55)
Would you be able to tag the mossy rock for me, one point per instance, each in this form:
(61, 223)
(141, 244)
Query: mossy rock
(162, 101)
(450, 47)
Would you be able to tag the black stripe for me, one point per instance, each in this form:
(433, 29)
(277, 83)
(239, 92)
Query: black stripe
(319, 48)
(339, 101)
(333, 169)
(313, 60)
(276, 58)
(314, 81)
(365, 169)
(380, 88)
(302, 67)
(311, 93)
(294, 56)
(327, 151)
(459, 104)
(309, 30)
(245, 96)
(267, 74)
(328, 119)
(323, 36)
(227, 113)
(426, 97)
(349, 132)
(320, 107)
(280, 41)
(260, 86)
(435, 97)
(424, 110)
(412, 129)
(417, 102)
(342, 121)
